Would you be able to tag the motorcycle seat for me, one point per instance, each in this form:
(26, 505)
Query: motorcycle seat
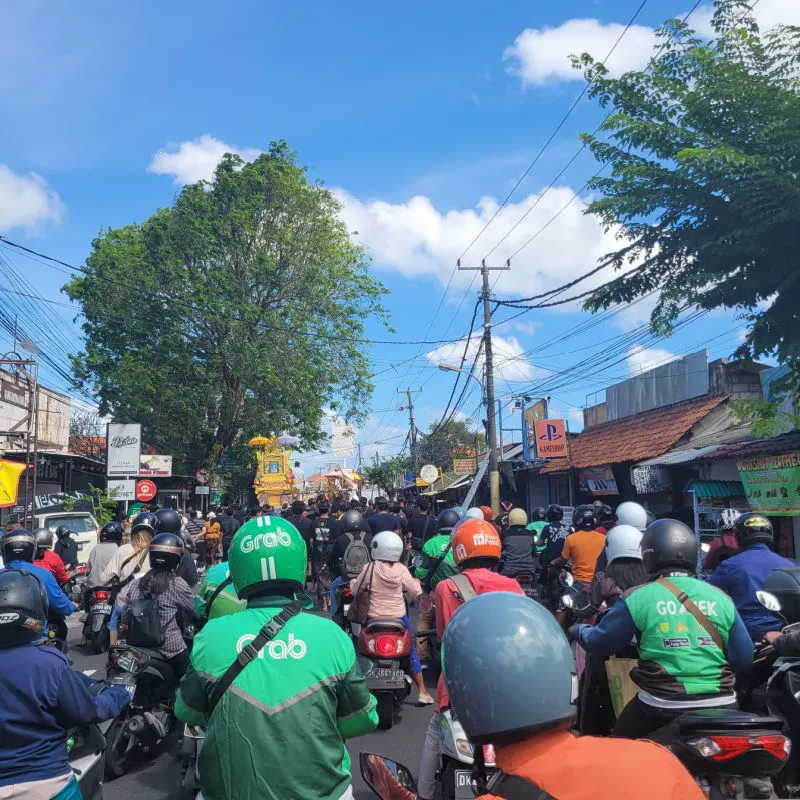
(386, 622)
(158, 662)
(730, 719)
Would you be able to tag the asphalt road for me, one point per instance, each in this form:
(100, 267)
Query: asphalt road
(160, 779)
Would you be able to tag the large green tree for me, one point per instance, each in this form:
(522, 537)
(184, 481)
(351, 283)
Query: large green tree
(388, 474)
(704, 150)
(447, 441)
(238, 310)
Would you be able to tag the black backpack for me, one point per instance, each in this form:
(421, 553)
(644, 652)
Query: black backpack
(356, 555)
(144, 621)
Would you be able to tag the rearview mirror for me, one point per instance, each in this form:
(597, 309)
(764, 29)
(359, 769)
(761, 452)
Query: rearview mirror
(568, 601)
(768, 600)
(390, 780)
(705, 547)
(565, 578)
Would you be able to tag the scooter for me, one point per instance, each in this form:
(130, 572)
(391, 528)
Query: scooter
(87, 752)
(95, 629)
(383, 648)
(73, 586)
(527, 582)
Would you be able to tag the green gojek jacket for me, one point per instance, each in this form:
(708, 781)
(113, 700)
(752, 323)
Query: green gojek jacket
(226, 602)
(432, 551)
(279, 731)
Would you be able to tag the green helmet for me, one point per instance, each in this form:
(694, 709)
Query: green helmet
(267, 553)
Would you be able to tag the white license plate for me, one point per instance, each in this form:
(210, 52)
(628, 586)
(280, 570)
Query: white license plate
(346, 608)
(464, 785)
(102, 608)
(387, 674)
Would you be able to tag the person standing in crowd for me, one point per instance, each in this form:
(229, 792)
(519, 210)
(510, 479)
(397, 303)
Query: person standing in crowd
(383, 520)
(228, 527)
(299, 478)
(421, 525)
(196, 529)
(212, 532)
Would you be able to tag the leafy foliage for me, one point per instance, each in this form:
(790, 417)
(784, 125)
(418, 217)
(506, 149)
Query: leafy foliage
(387, 475)
(104, 507)
(448, 441)
(87, 434)
(236, 311)
(767, 417)
(704, 192)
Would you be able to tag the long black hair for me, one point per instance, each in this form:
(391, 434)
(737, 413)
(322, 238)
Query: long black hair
(158, 581)
(627, 573)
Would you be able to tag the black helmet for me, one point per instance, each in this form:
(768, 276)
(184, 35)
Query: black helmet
(555, 513)
(539, 514)
(578, 509)
(165, 552)
(19, 545)
(585, 519)
(448, 519)
(669, 543)
(111, 532)
(352, 521)
(480, 659)
(145, 521)
(169, 520)
(752, 528)
(63, 532)
(23, 608)
(44, 540)
(784, 583)
(605, 513)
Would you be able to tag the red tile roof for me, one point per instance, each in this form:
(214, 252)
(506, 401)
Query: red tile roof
(635, 438)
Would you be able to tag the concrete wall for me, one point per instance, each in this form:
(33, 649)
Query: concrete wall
(53, 421)
(741, 379)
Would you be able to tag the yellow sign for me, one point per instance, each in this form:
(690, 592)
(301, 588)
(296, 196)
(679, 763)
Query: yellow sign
(9, 482)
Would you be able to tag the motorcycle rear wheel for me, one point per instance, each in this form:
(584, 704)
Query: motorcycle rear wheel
(385, 711)
(101, 641)
(119, 750)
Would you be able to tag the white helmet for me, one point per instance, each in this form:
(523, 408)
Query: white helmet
(387, 546)
(632, 514)
(623, 542)
(474, 513)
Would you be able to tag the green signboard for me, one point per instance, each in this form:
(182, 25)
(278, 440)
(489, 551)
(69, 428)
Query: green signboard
(230, 460)
(215, 497)
(772, 484)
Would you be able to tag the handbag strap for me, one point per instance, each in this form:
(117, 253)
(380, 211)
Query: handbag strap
(125, 563)
(434, 565)
(690, 606)
(251, 650)
(465, 588)
(512, 787)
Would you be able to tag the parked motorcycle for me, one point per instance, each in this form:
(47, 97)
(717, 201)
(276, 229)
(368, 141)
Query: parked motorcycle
(95, 629)
(383, 648)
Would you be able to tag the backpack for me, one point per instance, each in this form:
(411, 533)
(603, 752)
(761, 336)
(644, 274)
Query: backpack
(144, 621)
(322, 530)
(356, 555)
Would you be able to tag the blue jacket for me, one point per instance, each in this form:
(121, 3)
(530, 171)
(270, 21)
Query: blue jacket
(59, 602)
(741, 576)
(41, 699)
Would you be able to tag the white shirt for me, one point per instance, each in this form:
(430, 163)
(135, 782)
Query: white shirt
(299, 478)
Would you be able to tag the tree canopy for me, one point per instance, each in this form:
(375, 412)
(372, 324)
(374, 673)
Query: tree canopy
(239, 310)
(388, 474)
(447, 441)
(704, 150)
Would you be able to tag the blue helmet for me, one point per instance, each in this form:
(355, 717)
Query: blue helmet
(508, 667)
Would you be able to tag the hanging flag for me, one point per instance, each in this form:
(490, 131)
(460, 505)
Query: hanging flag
(9, 482)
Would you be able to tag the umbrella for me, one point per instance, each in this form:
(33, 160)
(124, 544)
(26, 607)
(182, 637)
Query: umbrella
(288, 441)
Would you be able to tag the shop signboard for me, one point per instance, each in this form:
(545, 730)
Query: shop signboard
(155, 465)
(772, 483)
(121, 490)
(464, 466)
(599, 480)
(551, 438)
(123, 444)
(650, 479)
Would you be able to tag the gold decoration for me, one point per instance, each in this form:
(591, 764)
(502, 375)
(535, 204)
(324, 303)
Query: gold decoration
(274, 483)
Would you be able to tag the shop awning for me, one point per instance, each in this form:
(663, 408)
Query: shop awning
(673, 457)
(715, 489)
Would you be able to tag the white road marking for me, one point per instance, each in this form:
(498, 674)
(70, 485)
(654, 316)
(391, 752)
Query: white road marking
(89, 672)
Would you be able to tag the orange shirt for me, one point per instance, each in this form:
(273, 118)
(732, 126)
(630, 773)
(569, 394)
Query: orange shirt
(583, 548)
(594, 768)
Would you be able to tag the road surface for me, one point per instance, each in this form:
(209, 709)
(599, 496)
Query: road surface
(160, 779)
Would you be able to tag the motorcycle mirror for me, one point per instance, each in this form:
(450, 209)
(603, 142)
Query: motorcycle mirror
(424, 603)
(308, 602)
(568, 600)
(390, 780)
(565, 578)
(768, 600)
(705, 547)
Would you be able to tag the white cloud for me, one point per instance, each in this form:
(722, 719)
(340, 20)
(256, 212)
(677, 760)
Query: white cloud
(196, 160)
(418, 240)
(26, 200)
(529, 328)
(640, 359)
(510, 363)
(574, 416)
(543, 55)
(769, 13)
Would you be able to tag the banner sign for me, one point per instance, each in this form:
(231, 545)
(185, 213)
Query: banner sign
(14, 394)
(121, 490)
(551, 438)
(772, 483)
(230, 460)
(9, 482)
(155, 465)
(123, 446)
(465, 466)
(598, 480)
(650, 479)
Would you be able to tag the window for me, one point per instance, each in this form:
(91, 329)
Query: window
(75, 524)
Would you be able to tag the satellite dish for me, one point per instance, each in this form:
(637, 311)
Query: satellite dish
(429, 473)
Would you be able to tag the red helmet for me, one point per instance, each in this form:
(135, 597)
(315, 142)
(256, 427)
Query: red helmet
(487, 513)
(475, 538)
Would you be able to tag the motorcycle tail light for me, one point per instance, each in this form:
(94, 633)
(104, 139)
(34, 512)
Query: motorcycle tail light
(101, 596)
(385, 645)
(721, 748)
(488, 755)
(80, 569)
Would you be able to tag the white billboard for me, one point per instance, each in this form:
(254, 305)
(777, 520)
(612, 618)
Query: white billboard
(342, 437)
(121, 490)
(155, 465)
(124, 442)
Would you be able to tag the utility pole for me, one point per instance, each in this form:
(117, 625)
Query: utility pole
(414, 454)
(486, 295)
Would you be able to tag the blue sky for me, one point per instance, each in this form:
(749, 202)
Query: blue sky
(419, 115)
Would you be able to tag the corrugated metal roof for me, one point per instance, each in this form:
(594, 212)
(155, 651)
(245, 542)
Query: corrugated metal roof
(679, 456)
(711, 489)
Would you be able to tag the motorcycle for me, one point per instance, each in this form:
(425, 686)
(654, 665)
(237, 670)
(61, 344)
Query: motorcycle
(73, 586)
(527, 583)
(425, 604)
(86, 748)
(95, 629)
(383, 648)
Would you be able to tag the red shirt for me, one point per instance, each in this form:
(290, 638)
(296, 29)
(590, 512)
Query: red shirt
(447, 603)
(52, 563)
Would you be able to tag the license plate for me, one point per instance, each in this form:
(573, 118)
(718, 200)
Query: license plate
(102, 608)
(346, 608)
(463, 785)
(383, 674)
(128, 663)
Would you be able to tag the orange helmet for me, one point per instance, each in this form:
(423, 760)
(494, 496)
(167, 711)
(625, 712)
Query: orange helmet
(487, 513)
(475, 538)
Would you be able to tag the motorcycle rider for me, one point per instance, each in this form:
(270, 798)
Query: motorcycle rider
(510, 673)
(476, 551)
(437, 555)
(304, 692)
(742, 575)
(624, 569)
(351, 524)
(537, 524)
(724, 545)
(42, 698)
(627, 513)
(213, 599)
(169, 521)
(606, 519)
(519, 546)
(46, 558)
(685, 661)
(66, 547)
(784, 584)
(551, 544)
(100, 557)
(19, 548)
(422, 525)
